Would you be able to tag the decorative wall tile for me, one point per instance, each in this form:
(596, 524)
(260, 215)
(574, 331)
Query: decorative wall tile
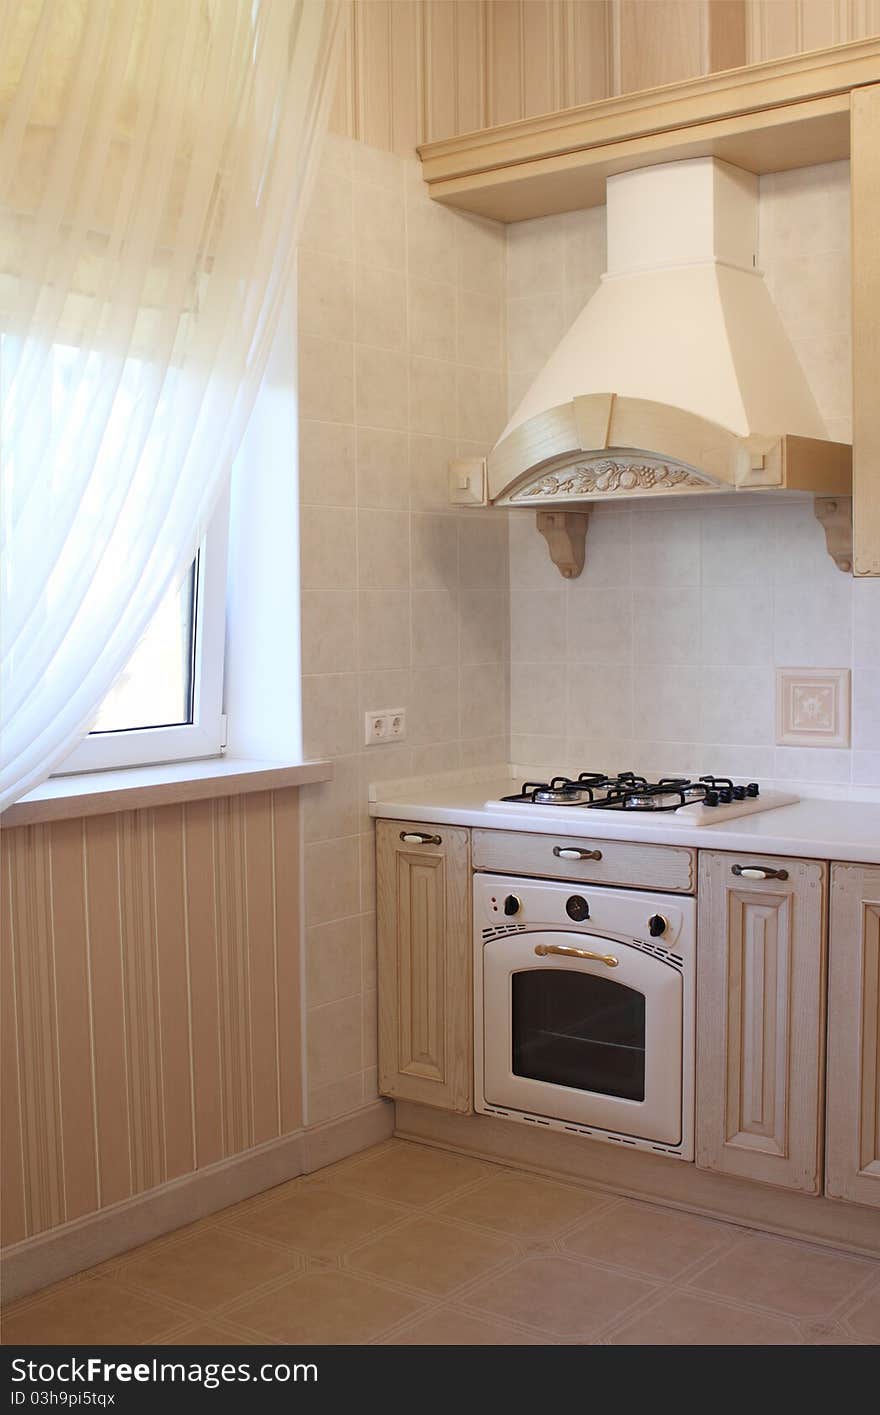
(812, 707)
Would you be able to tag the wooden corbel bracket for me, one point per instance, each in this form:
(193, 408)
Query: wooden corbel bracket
(565, 532)
(834, 514)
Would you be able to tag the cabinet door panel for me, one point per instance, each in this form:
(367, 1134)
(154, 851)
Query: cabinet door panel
(853, 1139)
(425, 965)
(760, 1021)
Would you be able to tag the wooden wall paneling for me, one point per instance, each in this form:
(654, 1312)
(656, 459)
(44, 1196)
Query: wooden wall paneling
(725, 35)
(287, 872)
(342, 118)
(656, 42)
(68, 906)
(260, 922)
(405, 84)
(771, 29)
(539, 91)
(865, 199)
(13, 1207)
(37, 1027)
(504, 61)
(586, 26)
(233, 980)
(374, 75)
(174, 991)
(110, 1061)
(204, 983)
(140, 989)
(470, 65)
(439, 68)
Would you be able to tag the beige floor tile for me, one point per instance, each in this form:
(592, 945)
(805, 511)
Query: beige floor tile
(558, 1296)
(449, 1327)
(320, 1221)
(205, 1334)
(656, 1242)
(97, 1311)
(330, 1308)
(864, 1319)
(685, 1320)
(827, 1334)
(207, 1271)
(523, 1206)
(786, 1277)
(414, 1174)
(432, 1257)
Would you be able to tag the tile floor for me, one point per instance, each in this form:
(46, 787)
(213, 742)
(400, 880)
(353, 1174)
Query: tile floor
(403, 1244)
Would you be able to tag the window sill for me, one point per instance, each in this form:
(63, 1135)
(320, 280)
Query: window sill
(100, 792)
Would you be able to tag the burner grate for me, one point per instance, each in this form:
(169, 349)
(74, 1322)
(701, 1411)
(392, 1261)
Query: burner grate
(627, 791)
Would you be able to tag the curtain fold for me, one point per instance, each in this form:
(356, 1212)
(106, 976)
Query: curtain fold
(154, 156)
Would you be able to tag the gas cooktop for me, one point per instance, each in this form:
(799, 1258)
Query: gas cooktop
(704, 800)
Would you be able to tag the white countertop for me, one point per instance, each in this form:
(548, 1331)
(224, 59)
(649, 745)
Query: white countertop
(816, 828)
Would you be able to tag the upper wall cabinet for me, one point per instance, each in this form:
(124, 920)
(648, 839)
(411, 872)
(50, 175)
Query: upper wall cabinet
(787, 113)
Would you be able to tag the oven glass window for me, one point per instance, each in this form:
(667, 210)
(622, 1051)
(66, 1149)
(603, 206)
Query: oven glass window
(574, 1029)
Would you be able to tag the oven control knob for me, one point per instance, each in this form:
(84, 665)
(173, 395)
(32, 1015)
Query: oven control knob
(577, 908)
(657, 925)
(512, 905)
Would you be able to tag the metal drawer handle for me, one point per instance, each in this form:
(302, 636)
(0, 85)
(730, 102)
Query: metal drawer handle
(572, 852)
(420, 837)
(542, 949)
(758, 872)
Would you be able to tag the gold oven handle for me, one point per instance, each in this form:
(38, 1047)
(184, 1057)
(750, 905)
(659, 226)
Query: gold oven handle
(542, 949)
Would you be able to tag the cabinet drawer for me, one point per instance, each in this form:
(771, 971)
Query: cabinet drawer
(615, 861)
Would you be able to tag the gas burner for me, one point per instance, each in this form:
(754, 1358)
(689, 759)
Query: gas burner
(597, 791)
(590, 788)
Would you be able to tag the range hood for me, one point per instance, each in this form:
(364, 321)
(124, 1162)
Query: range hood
(677, 378)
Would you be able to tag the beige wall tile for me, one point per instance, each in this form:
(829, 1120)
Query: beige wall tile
(535, 325)
(379, 307)
(381, 387)
(430, 240)
(484, 688)
(328, 547)
(434, 705)
(600, 625)
(666, 625)
(535, 256)
(378, 168)
(482, 404)
(331, 808)
(333, 961)
(434, 628)
(325, 296)
(379, 237)
(326, 379)
(599, 700)
(584, 247)
(333, 1040)
(481, 247)
(384, 628)
(383, 468)
(329, 631)
(432, 318)
(480, 329)
(485, 626)
(326, 464)
(537, 625)
(328, 225)
(434, 552)
(335, 1099)
(432, 393)
(537, 700)
(429, 459)
(484, 551)
(332, 870)
(383, 549)
(367, 849)
(330, 714)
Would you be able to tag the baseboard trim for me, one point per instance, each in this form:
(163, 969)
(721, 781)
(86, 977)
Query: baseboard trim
(642, 1176)
(61, 1252)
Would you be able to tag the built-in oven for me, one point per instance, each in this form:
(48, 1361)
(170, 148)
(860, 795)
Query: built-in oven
(584, 1010)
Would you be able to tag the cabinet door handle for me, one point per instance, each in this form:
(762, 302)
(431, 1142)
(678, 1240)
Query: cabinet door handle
(420, 837)
(563, 951)
(758, 872)
(573, 852)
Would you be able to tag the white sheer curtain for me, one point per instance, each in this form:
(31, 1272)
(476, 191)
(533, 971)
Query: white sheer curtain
(153, 159)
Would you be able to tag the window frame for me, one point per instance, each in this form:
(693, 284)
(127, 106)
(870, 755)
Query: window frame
(205, 736)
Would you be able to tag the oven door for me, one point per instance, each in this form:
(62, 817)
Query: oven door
(581, 1039)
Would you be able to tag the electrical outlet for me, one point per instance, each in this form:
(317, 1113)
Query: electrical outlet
(375, 728)
(384, 725)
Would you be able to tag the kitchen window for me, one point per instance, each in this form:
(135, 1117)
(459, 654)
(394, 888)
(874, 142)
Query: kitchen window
(167, 704)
